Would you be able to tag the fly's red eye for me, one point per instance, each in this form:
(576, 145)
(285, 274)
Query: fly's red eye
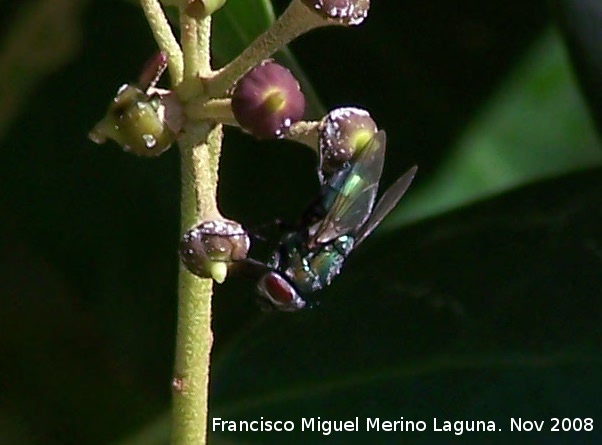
(281, 294)
(278, 288)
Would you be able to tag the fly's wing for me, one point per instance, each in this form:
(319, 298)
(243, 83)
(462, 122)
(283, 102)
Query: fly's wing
(388, 201)
(355, 193)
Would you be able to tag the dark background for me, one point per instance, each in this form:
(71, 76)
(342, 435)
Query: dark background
(488, 312)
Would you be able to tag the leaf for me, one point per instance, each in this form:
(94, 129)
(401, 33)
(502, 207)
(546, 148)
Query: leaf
(237, 24)
(581, 24)
(536, 126)
(488, 313)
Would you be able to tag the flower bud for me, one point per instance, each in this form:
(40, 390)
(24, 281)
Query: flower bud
(267, 100)
(203, 8)
(206, 249)
(145, 124)
(344, 12)
(342, 132)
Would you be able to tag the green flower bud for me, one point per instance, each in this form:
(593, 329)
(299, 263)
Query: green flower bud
(145, 124)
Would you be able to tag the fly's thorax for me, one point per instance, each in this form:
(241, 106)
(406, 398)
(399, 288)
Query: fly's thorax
(317, 209)
(317, 268)
(344, 244)
(290, 248)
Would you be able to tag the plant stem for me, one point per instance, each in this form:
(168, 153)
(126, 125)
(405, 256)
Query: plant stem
(164, 38)
(191, 379)
(190, 44)
(294, 21)
(204, 46)
(200, 146)
(194, 336)
(304, 132)
(219, 110)
(196, 43)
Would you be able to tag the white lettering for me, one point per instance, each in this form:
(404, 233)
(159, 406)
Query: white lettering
(251, 425)
(307, 424)
(525, 425)
(459, 427)
(327, 427)
(395, 425)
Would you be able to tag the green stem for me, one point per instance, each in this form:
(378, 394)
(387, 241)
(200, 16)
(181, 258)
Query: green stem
(294, 21)
(191, 379)
(219, 110)
(164, 38)
(190, 44)
(204, 46)
(194, 336)
(305, 132)
(200, 146)
(196, 43)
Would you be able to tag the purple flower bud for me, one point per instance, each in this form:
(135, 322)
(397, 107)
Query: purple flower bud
(342, 132)
(344, 12)
(267, 100)
(210, 242)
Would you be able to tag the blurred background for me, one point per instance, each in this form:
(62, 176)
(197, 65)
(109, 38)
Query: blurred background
(478, 299)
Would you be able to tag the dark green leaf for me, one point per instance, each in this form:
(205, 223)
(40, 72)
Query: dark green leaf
(535, 126)
(581, 22)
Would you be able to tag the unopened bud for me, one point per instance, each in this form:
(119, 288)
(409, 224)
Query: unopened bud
(203, 8)
(145, 124)
(267, 100)
(206, 249)
(342, 133)
(344, 12)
